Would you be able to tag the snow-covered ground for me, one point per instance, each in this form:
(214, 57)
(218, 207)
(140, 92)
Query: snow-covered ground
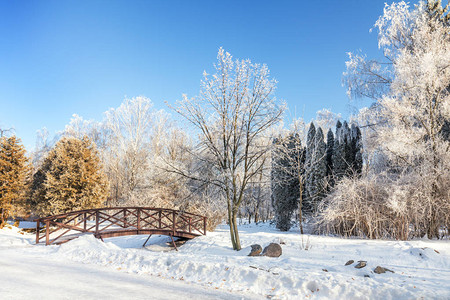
(311, 267)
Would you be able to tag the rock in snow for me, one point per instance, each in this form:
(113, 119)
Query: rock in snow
(349, 262)
(361, 264)
(256, 250)
(273, 250)
(381, 270)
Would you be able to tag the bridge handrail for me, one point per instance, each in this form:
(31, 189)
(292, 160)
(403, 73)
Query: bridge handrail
(113, 208)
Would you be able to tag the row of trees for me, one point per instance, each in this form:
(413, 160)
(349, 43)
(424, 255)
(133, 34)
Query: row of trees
(69, 178)
(301, 176)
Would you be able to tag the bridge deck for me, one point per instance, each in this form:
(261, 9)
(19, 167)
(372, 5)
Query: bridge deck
(122, 232)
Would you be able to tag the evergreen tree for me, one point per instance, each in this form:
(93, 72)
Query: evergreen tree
(70, 178)
(330, 149)
(356, 146)
(315, 168)
(14, 170)
(309, 167)
(338, 155)
(348, 150)
(285, 183)
(320, 169)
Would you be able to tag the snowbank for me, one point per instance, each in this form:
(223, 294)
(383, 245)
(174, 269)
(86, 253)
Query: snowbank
(310, 266)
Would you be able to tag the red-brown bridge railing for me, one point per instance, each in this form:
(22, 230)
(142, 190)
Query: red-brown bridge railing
(119, 221)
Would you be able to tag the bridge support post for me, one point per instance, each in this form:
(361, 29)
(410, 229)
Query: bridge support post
(173, 242)
(147, 240)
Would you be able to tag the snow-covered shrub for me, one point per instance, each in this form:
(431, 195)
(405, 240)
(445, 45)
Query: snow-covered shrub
(386, 206)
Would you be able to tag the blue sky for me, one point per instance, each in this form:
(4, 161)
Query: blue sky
(58, 58)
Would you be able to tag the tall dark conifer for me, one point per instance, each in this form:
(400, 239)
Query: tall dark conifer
(330, 148)
(338, 156)
(309, 167)
(284, 179)
(356, 145)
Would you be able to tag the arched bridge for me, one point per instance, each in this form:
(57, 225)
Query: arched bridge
(119, 221)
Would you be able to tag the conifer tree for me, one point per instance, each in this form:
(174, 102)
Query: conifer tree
(309, 166)
(338, 156)
(316, 168)
(14, 170)
(330, 149)
(70, 178)
(320, 169)
(356, 147)
(348, 150)
(286, 164)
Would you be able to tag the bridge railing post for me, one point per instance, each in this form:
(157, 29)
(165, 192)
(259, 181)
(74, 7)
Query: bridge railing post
(174, 221)
(159, 218)
(47, 232)
(138, 219)
(38, 228)
(96, 221)
(204, 225)
(125, 218)
(84, 221)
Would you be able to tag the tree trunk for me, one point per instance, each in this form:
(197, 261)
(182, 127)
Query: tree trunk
(230, 223)
(300, 204)
(237, 242)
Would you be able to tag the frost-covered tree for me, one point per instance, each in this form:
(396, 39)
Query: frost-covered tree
(14, 172)
(412, 91)
(232, 115)
(70, 178)
(42, 147)
(128, 144)
(326, 119)
(79, 128)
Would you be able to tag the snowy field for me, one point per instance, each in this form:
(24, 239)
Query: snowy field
(311, 267)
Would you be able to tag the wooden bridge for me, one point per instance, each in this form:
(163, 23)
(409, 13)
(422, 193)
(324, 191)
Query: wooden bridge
(120, 221)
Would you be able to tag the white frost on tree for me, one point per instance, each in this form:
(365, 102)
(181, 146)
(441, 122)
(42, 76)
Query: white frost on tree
(407, 125)
(233, 115)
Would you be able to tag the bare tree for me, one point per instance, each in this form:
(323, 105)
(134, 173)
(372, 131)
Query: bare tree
(235, 109)
(5, 132)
